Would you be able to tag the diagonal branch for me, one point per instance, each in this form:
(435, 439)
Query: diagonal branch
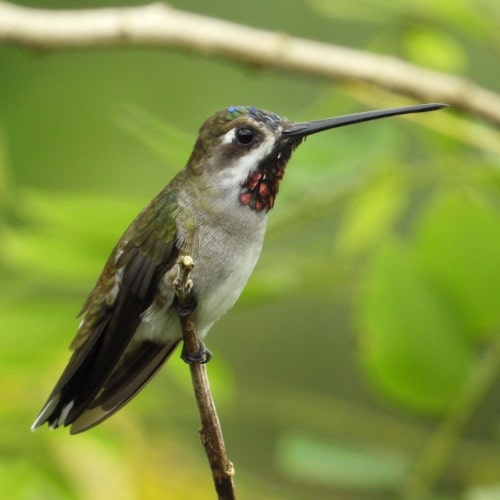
(211, 431)
(158, 25)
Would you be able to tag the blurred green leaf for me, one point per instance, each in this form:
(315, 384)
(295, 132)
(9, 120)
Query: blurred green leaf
(412, 345)
(41, 483)
(34, 332)
(484, 492)
(170, 142)
(457, 241)
(4, 175)
(65, 236)
(373, 212)
(343, 465)
(472, 17)
(435, 49)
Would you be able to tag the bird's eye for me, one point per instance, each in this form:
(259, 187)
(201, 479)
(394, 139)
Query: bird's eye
(245, 135)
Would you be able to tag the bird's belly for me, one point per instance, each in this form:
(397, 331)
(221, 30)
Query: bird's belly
(218, 279)
(223, 288)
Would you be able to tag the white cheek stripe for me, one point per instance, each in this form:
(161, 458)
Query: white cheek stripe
(239, 171)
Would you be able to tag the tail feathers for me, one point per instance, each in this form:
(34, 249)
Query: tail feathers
(46, 412)
(133, 371)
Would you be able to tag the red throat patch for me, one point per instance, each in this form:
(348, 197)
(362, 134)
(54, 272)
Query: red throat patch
(260, 189)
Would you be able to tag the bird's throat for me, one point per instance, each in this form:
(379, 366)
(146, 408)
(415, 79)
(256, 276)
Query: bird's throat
(259, 191)
(261, 186)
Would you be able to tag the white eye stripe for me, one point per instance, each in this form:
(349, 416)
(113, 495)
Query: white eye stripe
(241, 167)
(228, 137)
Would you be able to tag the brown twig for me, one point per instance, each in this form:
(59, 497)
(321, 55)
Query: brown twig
(210, 432)
(158, 25)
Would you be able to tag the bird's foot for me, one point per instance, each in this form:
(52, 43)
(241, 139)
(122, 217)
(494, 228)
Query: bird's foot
(185, 301)
(202, 356)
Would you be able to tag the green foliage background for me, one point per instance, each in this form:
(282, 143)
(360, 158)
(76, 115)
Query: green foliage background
(362, 360)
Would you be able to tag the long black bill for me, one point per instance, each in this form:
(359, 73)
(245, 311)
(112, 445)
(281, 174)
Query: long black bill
(308, 128)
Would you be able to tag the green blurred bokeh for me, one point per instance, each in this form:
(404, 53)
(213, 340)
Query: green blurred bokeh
(362, 359)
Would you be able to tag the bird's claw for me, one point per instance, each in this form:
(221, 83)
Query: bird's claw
(202, 356)
(189, 301)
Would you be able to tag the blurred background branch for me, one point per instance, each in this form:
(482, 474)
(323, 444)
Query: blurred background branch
(158, 25)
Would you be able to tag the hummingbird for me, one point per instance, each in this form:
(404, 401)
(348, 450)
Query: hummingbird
(214, 210)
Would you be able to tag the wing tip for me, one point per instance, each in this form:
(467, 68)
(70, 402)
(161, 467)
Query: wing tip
(54, 417)
(46, 412)
(49, 414)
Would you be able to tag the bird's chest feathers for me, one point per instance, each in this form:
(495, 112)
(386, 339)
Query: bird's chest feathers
(225, 241)
(223, 264)
(222, 273)
(225, 256)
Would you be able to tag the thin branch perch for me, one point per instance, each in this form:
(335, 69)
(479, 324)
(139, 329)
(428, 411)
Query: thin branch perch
(158, 25)
(210, 432)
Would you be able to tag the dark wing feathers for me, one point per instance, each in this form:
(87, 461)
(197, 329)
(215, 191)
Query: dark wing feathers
(95, 374)
(123, 384)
